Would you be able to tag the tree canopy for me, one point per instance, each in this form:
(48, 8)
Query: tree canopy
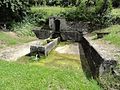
(13, 10)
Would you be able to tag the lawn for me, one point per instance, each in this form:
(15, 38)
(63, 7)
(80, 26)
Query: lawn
(114, 36)
(10, 38)
(55, 72)
(50, 11)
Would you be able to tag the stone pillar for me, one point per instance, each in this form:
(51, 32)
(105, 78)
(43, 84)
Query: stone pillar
(51, 23)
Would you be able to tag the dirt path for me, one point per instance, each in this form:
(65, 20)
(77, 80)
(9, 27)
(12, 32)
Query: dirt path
(15, 52)
(69, 49)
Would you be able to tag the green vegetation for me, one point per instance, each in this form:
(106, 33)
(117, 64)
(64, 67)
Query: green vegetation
(116, 16)
(116, 12)
(57, 71)
(13, 10)
(114, 36)
(109, 81)
(10, 38)
(96, 12)
(38, 17)
(54, 2)
(116, 3)
(50, 10)
(24, 28)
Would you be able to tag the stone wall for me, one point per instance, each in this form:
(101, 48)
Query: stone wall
(42, 34)
(93, 63)
(71, 35)
(63, 23)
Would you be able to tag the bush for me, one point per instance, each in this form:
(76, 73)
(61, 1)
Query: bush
(13, 10)
(96, 12)
(29, 22)
(116, 3)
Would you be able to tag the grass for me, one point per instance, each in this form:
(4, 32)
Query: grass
(8, 39)
(116, 12)
(29, 77)
(55, 60)
(114, 36)
(55, 72)
(24, 28)
(50, 10)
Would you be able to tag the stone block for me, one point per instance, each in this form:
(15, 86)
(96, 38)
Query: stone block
(42, 34)
(44, 49)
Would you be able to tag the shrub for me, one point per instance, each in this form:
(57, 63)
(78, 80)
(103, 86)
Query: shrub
(13, 10)
(116, 3)
(96, 12)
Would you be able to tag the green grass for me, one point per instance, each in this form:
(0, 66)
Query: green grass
(8, 39)
(55, 60)
(55, 72)
(50, 10)
(116, 12)
(25, 27)
(114, 36)
(29, 77)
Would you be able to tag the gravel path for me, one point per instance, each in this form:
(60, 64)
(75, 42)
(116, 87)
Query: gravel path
(15, 52)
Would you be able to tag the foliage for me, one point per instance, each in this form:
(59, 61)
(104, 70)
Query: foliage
(116, 12)
(28, 23)
(114, 36)
(13, 10)
(116, 3)
(96, 12)
(48, 11)
(37, 17)
(116, 16)
(54, 2)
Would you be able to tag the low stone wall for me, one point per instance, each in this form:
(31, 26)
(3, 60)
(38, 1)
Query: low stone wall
(47, 48)
(93, 63)
(44, 49)
(42, 34)
(71, 35)
(64, 35)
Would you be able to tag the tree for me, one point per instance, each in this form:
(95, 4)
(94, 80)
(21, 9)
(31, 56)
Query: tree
(13, 10)
(116, 3)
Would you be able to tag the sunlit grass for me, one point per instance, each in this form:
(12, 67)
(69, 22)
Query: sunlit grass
(31, 77)
(114, 36)
(24, 28)
(9, 40)
(50, 10)
(57, 72)
(116, 12)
